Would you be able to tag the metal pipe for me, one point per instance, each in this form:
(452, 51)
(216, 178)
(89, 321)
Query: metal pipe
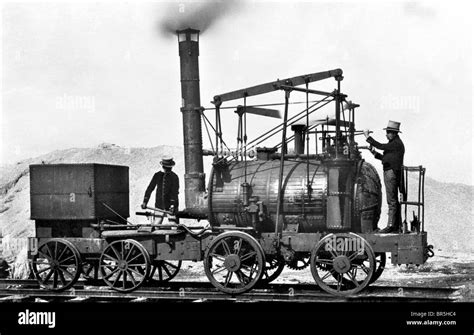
(282, 161)
(299, 89)
(338, 118)
(188, 40)
(115, 212)
(299, 138)
(308, 185)
(423, 195)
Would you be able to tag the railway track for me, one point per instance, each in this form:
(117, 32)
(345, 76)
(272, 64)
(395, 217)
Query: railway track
(29, 291)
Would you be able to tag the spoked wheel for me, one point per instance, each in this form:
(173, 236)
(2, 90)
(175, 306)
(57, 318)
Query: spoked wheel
(163, 271)
(342, 264)
(57, 265)
(90, 270)
(234, 262)
(274, 266)
(124, 265)
(380, 261)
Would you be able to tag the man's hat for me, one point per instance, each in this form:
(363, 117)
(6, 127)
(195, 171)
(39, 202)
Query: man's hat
(167, 162)
(393, 126)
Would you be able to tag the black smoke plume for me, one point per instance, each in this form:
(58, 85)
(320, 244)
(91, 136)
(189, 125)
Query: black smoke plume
(197, 15)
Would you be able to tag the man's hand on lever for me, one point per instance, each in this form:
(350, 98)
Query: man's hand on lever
(366, 133)
(372, 150)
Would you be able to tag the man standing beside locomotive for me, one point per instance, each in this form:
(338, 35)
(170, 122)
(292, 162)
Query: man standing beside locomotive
(166, 183)
(392, 160)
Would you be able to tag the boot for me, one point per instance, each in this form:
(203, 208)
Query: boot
(389, 229)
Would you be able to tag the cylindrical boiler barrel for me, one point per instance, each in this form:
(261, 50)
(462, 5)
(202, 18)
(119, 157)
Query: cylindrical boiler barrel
(307, 210)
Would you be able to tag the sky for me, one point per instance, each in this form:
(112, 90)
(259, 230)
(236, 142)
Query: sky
(77, 74)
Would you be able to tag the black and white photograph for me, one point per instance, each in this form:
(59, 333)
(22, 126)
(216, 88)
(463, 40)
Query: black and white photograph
(199, 164)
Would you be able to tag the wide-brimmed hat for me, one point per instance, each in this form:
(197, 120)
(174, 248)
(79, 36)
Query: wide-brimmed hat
(167, 162)
(393, 126)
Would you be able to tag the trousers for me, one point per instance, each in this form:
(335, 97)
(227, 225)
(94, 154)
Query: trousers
(392, 181)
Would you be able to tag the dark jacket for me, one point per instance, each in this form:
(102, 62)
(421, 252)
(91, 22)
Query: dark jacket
(167, 190)
(393, 153)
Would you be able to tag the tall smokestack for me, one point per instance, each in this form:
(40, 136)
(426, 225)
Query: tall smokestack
(194, 177)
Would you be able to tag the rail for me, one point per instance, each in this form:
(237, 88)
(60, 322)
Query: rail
(26, 291)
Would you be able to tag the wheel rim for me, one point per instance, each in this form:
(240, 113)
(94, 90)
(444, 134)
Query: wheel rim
(57, 264)
(234, 262)
(342, 264)
(273, 268)
(164, 271)
(124, 265)
(380, 261)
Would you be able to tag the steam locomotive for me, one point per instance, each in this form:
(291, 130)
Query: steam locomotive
(316, 207)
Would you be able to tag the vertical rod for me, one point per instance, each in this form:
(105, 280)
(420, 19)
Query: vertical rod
(245, 139)
(280, 177)
(423, 192)
(419, 192)
(419, 189)
(217, 130)
(220, 133)
(353, 118)
(323, 138)
(308, 185)
(406, 192)
(316, 138)
(238, 135)
(338, 118)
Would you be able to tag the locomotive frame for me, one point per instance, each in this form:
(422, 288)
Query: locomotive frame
(252, 234)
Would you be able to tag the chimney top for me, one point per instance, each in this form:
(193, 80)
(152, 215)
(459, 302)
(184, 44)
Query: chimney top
(188, 34)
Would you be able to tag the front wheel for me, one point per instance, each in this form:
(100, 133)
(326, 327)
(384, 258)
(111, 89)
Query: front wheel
(342, 264)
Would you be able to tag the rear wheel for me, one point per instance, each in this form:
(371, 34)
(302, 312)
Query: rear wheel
(163, 271)
(57, 264)
(124, 265)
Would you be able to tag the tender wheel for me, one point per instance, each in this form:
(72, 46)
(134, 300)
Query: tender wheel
(342, 264)
(124, 265)
(57, 264)
(163, 271)
(90, 270)
(274, 266)
(234, 262)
